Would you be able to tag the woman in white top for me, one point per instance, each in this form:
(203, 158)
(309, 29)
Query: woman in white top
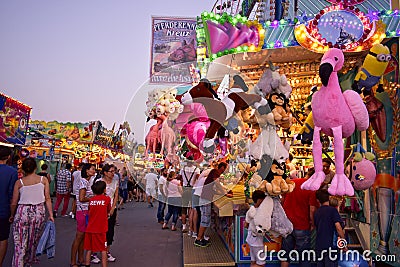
(112, 188)
(30, 195)
(84, 193)
(173, 192)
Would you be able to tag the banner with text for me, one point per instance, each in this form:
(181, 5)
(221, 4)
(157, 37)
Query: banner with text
(173, 50)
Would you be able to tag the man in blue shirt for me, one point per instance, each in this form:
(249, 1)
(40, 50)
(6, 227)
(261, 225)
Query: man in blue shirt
(8, 177)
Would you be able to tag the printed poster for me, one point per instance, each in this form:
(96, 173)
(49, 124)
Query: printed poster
(173, 50)
(14, 117)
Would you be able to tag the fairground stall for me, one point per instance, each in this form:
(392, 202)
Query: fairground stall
(262, 61)
(281, 54)
(56, 143)
(14, 117)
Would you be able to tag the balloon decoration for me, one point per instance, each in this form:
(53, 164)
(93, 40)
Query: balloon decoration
(230, 35)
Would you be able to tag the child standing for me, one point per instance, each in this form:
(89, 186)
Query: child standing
(327, 222)
(256, 243)
(95, 236)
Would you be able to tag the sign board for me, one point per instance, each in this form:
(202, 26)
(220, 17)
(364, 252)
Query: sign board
(173, 50)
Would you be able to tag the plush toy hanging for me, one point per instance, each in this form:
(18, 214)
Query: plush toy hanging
(372, 70)
(336, 114)
(361, 170)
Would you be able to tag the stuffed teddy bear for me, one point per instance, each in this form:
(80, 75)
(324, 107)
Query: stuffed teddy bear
(280, 110)
(263, 215)
(275, 183)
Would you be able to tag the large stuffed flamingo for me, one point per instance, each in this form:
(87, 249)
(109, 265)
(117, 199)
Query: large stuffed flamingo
(336, 114)
(152, 138)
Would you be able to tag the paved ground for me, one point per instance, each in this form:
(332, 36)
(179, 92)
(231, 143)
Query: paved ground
(139, 241)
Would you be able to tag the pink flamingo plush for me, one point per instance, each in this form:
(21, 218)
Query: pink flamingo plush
(336, 114)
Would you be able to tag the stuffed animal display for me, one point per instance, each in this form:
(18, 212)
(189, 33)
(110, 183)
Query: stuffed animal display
(162, 105)
(263, 216)
(325, 104)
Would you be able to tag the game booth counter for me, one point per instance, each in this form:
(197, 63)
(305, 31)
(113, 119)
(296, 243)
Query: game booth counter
(257, 95)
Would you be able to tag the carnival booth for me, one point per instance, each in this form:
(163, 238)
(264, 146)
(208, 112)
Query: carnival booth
(317, 80)
(14, 117)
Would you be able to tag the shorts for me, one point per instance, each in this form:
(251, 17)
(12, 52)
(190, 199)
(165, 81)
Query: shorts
(187, 196)
(256, 256)
(205, 220)
(195, 201)
(4, 229)
(95, 242)
(151, 192)
(81, 220)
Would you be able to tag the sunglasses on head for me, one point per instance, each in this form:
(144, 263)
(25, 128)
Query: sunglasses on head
(381, 57)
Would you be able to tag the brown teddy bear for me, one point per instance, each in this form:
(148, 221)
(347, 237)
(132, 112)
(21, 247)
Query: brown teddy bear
(275, 183)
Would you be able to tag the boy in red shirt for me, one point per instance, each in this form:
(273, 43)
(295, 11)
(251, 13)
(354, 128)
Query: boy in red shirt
(95, 236)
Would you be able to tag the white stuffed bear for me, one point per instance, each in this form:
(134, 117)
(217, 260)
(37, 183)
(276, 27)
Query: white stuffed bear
(250, 220)
(262, 218)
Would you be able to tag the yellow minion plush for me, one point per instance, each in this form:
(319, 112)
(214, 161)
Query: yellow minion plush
(372, 70)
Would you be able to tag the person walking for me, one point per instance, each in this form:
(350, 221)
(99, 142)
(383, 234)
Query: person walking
(112, 189)
(123, 189)
(84, 190)
(95, 237)
(76, 176)
(162, 199)
(151, 186)
(173, 192)
(328, 223)
(189, 173)
(299, 206)
(63, 189)
(30, 194)
(8, 177)
(44, 172)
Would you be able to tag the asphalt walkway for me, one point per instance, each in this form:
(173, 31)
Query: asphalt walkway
(139, 241)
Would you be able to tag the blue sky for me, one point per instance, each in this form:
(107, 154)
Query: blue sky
(80, 60)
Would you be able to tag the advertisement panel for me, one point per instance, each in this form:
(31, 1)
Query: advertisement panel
(70, 131)
(14, 117)
(173, 50)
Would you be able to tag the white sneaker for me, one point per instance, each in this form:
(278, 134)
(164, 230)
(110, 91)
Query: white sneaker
(194, 235)
(184, 228)
(110, 258)
(189, 233)
(206, 237)
(95, 259)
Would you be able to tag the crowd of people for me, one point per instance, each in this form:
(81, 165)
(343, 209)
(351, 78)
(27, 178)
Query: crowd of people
(97, 196)
(184, 193)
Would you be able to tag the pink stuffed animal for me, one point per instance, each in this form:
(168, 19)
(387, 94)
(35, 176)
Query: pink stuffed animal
(167, 138)
(336, 114)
